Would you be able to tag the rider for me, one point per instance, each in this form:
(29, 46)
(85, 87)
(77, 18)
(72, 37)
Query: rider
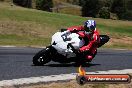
(91, 36)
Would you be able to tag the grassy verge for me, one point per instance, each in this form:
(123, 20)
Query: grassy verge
(29, 27)
(71, 84)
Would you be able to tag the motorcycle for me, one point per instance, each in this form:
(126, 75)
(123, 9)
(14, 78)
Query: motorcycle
(63, 49)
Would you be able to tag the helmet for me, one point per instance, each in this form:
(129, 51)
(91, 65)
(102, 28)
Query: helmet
(90, 25)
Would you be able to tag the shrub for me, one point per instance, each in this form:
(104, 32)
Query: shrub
(23, 3)
(45, 5)
(90, 8)
(104, 13)
(128, 15)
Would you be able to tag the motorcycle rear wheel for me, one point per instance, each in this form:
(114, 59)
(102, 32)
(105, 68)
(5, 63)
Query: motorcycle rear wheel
(41, 58)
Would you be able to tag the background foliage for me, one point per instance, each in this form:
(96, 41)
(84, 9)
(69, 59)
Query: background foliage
(120, 9)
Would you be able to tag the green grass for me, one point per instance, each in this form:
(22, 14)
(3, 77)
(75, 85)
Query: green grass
(29, 27)
(22, 40)
(122, 31)
(38, 16)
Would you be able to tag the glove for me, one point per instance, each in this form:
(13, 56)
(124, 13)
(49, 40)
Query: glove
(62, 30)
(74, 31)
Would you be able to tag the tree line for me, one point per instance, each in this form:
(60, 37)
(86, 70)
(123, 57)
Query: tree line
(115, 9)
(122, 9)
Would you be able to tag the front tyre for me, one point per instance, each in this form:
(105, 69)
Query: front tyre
(41, 58)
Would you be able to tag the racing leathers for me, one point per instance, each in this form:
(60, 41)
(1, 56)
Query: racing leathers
(91, 40)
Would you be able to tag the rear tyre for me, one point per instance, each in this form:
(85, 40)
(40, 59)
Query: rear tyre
(41, 58)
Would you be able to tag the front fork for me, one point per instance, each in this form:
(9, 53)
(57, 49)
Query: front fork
(51, 51)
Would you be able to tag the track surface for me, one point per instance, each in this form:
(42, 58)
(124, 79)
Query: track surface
(17, 63)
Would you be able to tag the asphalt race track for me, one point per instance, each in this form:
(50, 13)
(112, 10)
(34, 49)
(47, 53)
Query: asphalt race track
(17, 63)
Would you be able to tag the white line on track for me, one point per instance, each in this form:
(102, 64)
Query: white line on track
(8, 46)
(53, 78)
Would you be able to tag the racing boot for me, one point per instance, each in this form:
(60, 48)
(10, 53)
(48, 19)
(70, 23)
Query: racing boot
(89, 57)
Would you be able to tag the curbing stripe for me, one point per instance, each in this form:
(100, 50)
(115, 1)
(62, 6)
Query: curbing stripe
(30, 80)
(53, 78)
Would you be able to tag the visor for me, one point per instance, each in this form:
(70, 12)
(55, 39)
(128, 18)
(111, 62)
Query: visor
(89, 29)
(86, 29)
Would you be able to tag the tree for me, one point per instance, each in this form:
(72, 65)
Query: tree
(24, 3)
(81, 2)
(90, 8)
(104, 13)
(119, 7)
(45, 5)
(129, 4)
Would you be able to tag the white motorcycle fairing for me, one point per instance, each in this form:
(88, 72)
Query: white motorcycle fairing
(60, 41)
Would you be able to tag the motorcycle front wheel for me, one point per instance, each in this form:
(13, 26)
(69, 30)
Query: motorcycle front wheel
(41, 58)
